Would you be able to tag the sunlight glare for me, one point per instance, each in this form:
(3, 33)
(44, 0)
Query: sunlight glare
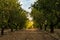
(29, 25)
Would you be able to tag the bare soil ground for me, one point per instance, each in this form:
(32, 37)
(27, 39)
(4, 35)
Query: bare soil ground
(29, 34)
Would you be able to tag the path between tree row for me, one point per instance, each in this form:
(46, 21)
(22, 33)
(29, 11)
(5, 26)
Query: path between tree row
(29, 34)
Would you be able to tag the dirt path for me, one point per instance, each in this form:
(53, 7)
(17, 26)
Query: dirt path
(31, 34)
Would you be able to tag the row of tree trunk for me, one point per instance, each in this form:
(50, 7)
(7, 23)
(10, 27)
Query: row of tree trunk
(11, 29)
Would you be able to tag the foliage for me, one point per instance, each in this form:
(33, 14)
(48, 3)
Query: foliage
(48, 10)
(11, 14)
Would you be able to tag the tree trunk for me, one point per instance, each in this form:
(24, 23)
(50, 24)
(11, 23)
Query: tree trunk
(45, 27)
(41, 27)
(2, 31)
(16, 28)
(52, 28)
(11, 29)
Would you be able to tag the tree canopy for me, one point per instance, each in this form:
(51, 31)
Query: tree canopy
(11, 15)
(47, 12)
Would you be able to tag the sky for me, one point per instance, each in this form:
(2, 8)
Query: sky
(26, 4)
